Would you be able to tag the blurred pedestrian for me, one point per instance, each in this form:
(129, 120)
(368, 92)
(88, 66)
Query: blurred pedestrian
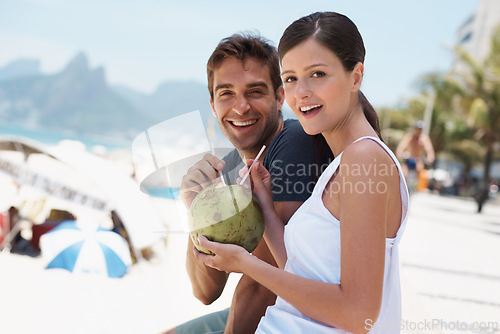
(415, 150)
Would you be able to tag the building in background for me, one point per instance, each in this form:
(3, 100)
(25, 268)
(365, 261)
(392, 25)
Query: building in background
(475, 36)
(475, 33)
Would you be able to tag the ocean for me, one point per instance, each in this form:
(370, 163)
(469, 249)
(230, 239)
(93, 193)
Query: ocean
(51, 137)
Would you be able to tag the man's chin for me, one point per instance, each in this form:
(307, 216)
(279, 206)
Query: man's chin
(242, 142)
(246, 145)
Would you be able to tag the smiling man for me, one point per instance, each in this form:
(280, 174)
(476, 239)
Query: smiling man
(246, 103)
(246, 96)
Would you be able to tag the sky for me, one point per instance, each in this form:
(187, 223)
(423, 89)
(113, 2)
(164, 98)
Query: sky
(142, 43)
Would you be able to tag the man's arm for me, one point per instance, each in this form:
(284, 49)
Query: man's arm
(429, 150)
(207, 283)
(402, 146)
(250, 298)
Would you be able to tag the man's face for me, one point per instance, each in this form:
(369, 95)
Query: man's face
(245, 104)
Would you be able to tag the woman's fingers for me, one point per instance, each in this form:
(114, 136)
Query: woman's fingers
(261, 177)
(226, 256)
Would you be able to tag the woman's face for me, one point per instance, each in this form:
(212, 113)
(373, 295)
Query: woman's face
(317, 87)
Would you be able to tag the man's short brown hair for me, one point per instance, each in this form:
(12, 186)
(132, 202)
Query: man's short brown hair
(242, 47)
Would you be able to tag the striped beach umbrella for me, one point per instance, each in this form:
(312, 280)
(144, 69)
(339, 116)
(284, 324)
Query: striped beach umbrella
(85, 250)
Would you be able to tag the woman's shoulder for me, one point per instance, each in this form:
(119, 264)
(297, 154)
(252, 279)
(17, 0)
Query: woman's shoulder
(367, 146)
(367, 151)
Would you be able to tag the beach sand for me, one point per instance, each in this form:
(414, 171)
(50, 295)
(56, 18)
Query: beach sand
(441, 280)
(442, 276)
(154, 296)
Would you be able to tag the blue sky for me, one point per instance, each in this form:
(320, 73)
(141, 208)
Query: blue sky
(144, 43)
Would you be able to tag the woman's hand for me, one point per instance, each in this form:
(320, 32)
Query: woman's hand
(228, 257)
(261, 182)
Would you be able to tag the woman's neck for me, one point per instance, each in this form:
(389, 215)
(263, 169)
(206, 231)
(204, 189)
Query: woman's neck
(353, 127)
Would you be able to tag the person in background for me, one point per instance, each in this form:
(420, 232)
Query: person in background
(415, 149)
(119, 228)
(246, 96)
(338, 266)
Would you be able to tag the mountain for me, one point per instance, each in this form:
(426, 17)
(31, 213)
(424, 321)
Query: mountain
(173, 98)
(77, 98)
(170, 99)
(20, 68)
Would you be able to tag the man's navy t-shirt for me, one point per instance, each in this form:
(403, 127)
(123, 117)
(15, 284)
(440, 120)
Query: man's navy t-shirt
(290, 161)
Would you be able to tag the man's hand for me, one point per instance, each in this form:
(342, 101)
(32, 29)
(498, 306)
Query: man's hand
(201, 175)
(207, 283)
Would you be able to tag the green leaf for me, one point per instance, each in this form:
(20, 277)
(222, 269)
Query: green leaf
(478, 113)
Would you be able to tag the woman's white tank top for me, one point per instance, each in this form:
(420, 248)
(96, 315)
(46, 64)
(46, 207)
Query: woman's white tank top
(312, 241)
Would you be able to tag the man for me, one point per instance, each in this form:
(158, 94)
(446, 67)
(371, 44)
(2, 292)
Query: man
(246, 96)
(415, 150)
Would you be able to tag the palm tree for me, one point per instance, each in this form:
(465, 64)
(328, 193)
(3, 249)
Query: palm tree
(472, 90)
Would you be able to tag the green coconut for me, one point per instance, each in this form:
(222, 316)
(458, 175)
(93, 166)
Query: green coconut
(227, 214)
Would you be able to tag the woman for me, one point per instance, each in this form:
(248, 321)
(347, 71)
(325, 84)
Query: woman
(339, 251)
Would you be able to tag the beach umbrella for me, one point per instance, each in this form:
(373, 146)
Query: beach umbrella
(85, 249)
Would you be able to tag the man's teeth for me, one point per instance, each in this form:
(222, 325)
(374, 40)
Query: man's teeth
(306, 109)
(236, 123)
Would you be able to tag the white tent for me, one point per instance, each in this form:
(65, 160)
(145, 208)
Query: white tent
(116, 190)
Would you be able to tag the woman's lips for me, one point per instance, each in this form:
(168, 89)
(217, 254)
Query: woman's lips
(310, 111)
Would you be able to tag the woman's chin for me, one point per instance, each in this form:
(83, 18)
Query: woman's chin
(312, 131)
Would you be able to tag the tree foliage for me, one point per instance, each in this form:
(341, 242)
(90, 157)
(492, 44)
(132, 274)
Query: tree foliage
(467, 106)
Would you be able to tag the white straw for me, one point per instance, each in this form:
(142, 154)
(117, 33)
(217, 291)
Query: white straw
(222, 179)
(256, 158)
(212, 148)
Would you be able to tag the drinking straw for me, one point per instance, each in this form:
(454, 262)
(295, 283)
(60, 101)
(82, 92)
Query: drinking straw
(256, 158)
(212, 148)
(222, 179)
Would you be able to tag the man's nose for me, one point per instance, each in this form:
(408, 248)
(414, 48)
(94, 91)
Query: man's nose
(241, 105)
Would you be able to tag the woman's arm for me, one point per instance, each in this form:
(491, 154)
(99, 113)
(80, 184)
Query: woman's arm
(324, 302)
(273, 235)
(363, 214)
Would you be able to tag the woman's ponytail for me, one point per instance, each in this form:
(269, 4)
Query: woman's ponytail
(370, 113)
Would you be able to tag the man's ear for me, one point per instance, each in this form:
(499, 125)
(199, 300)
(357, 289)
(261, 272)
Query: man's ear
(280, 97)
(357, 75)
(213, 109)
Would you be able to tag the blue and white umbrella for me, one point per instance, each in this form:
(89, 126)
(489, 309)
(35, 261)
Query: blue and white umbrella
(85, 250)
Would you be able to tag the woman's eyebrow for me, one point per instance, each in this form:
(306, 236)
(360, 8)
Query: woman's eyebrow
(305, 68)
(314, 65)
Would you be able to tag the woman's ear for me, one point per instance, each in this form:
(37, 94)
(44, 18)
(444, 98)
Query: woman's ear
(357, 76)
